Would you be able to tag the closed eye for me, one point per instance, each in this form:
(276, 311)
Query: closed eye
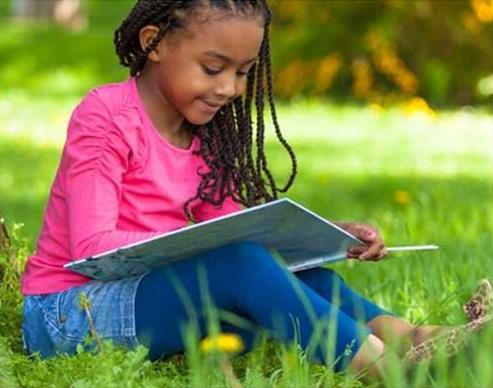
(213, 72)
(210, 71)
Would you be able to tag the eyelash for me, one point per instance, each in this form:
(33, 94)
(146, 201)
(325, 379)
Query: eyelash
(209, 71)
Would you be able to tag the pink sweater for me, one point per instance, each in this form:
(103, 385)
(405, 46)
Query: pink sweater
(119, 181)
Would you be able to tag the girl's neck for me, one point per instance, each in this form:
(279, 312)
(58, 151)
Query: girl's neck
(166, 119)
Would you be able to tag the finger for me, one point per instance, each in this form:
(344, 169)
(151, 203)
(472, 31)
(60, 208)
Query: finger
(377, 258)
(356, 253)
(373, 251)
(358, 249)
(368, 235)
(381, 254)
(384, 252)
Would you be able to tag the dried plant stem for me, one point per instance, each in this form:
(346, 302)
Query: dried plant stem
(228, 371)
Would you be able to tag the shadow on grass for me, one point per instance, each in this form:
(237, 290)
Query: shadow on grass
(458, 203)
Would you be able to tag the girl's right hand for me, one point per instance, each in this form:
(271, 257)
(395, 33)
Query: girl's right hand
(374, 248)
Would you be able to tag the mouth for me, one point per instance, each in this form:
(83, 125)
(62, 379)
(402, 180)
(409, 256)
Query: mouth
(210, 107)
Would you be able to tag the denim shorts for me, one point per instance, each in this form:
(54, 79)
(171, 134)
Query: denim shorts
(57, 323)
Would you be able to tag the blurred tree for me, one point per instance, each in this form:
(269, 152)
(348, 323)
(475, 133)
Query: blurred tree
(380, 50)
(68, 13)
(374, 51)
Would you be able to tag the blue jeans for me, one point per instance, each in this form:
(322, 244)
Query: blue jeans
(243, 280)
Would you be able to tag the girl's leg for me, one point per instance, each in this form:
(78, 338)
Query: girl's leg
(385, 325)
(392, 329)
(161, 324)
(333, 288)
(245, 279)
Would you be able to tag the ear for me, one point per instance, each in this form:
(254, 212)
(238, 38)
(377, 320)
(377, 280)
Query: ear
(146, 36)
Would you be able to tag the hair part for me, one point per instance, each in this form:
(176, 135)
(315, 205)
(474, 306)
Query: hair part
(227, 141)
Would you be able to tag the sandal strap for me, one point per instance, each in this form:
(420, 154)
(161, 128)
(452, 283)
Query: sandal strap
(451, 342)
(481, 302)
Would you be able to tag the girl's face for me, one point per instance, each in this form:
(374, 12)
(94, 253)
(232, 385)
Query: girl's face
(204, 67)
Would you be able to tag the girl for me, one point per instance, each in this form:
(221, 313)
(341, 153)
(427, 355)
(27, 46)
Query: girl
(174, 144)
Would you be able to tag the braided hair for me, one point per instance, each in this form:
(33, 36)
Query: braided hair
(226, 142)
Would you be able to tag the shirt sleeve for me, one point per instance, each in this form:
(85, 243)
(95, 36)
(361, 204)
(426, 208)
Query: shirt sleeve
(96, 156)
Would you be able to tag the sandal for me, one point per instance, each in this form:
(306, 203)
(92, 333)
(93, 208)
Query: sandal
(481, 302)
(479, 311)
(450, 342)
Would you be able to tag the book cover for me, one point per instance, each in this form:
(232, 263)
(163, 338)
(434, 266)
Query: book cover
(298, 236)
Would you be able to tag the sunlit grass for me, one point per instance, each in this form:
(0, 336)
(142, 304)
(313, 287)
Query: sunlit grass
(420, 179)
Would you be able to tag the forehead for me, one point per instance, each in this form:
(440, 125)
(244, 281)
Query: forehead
(238, 37)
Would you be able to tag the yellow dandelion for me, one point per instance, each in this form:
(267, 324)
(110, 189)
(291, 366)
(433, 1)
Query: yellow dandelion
(402, 197)
(224, 342)
(419, 106)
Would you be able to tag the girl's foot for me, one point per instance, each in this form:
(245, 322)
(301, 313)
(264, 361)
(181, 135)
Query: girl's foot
(481, 302)
(450, 342)
(479, 311)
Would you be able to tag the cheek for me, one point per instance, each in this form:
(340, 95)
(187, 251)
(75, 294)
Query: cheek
(241, 86)
(183, 91)
(194, 88)
(183, 81)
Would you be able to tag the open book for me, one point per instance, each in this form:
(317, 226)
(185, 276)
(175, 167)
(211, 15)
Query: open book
(300, 238)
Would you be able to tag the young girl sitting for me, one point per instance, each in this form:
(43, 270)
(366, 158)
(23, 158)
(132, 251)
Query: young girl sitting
(174, 144)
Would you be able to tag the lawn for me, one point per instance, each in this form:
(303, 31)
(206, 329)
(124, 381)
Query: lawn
(420, 177)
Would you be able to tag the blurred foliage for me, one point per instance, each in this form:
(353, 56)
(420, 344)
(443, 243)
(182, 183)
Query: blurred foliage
(376, 49)
(369, 50)
(46, 59)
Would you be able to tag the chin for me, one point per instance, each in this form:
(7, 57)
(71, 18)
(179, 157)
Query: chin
(199, 119)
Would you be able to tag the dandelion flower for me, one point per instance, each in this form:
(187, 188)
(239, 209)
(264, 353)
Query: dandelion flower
(417, 106)
(224, 342)
(402, 197)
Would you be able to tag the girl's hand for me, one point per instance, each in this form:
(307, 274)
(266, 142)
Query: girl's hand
(374, 248)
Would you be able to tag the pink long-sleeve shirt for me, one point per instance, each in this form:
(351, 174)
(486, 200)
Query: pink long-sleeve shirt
(119, 181)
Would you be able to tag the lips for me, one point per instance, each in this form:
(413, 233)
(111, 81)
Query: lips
(211, 106)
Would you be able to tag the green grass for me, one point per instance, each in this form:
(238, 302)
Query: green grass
(351, 161)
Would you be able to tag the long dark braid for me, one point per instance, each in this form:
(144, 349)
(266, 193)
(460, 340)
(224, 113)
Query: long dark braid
(227, 141)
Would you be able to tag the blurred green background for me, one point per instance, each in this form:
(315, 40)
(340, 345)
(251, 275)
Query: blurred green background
(363, 50)
(388, 106)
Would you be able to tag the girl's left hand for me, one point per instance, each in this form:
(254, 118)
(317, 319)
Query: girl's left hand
(374, 248)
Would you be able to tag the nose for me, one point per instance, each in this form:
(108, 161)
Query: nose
(226, 88)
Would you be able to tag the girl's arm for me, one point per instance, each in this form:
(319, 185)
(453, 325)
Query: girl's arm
(96, 155)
